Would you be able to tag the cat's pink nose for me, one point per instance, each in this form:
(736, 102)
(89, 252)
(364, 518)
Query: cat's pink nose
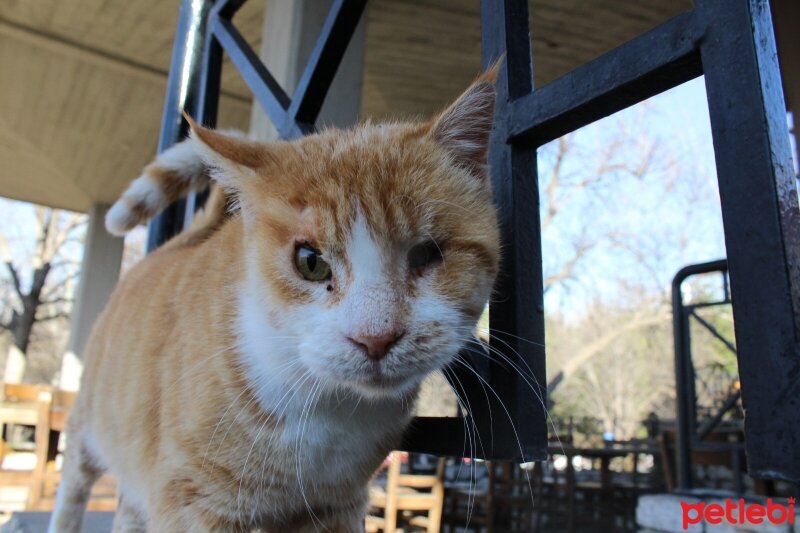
(376, 346)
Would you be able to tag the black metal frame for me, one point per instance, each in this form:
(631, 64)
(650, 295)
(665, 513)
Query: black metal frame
(204, 31)
(691, 431)
(731, 42)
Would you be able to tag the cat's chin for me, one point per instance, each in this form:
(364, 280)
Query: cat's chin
(384, 387)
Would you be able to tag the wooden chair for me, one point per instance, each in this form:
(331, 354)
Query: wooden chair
(505, 500)
(408, 493)
(54, 406)
(25, 404)
(474, 505)
(46, 409)
(18, 405)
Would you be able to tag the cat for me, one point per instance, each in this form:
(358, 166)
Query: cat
(254, 371)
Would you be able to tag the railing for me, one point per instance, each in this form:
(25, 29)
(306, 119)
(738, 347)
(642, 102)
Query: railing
(731, 42)
(691, 431)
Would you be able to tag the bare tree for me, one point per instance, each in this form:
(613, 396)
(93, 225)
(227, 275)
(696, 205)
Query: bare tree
(620, 208)
(39, 284)
(578, 183)
(604, 340)
(577, 180)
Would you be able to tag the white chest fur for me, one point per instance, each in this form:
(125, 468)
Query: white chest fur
(331, 432)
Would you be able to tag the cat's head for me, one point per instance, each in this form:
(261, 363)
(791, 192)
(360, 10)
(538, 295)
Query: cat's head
(370, 252)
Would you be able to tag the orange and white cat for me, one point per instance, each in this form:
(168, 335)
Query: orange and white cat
(253, 372)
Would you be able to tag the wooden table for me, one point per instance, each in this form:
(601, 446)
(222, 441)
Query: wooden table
(605, 455)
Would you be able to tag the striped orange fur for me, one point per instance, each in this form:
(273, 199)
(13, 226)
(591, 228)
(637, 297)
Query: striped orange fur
(255, 370)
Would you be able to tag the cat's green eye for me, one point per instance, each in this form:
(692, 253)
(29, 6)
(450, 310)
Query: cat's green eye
(424, 255)
(310, 265)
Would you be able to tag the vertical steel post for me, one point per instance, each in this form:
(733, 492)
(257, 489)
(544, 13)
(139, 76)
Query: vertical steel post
(206, 104)
(686, 394)
(183, 86)
(684, 382)
(760, 213)
(516, 315)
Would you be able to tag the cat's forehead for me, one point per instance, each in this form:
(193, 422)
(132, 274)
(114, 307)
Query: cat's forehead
(400, 183)
(384, 177)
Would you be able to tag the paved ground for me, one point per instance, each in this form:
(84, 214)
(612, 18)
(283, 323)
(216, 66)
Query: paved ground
(36, 522)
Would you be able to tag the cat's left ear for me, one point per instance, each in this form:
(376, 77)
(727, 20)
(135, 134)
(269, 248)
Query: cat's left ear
(232, 158)
(464, 127)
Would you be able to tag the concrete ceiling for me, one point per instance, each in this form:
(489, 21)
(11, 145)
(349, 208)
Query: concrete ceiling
(82, 81)
(422, 53)
(81, 92)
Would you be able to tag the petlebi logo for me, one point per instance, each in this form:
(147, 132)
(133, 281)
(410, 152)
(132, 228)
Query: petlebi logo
(738, 512)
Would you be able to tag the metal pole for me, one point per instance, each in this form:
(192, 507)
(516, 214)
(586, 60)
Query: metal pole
(183, 86)
(684, 372)
(761, 217)
(516, 315)
(680, 324)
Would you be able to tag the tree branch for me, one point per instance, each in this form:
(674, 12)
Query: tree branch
(62, 284)
(57, 300)
(59, 236)
(596, 347)
(567, 268)
(15, 280)
(53, 316)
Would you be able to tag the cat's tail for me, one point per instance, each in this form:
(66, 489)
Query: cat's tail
(174, 173)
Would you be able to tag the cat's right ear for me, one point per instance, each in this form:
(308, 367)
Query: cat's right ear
(464, 127)
(233, 160)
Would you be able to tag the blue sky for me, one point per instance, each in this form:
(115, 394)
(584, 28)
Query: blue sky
(642, 229)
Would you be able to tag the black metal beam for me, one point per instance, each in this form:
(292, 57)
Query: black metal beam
(714, 331)
(645, 66)
(761, 218)
(708, 425)
(516, 314)
(266, 90)
(335, 35)
(182, 93)
(207, 104)
(227, 8)
(685, 395)
(439, 436)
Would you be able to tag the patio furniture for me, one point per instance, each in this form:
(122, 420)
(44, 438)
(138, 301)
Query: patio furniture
(411, 493)
(472, 503)
(722, 447)
(46, 409)
(599, 495)
(54, 406)
(21, 404)
(18, 405)
(503, 498)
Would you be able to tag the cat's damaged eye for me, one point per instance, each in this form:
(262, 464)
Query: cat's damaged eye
(310, 265)
(424, 255)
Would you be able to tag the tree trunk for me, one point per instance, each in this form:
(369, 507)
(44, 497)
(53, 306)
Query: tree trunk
(22, 327)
